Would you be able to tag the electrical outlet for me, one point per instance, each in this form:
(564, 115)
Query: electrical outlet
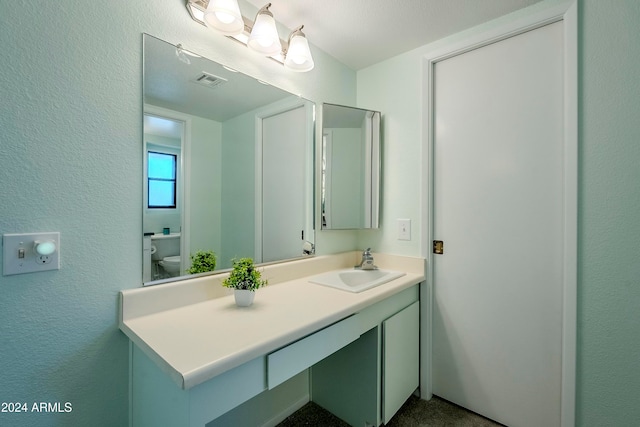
(19, 253)
(44, 259)
(404, 229)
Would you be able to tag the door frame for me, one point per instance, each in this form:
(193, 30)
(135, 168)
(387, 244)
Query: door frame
(185, 178)
(327, 150)
(482, 36)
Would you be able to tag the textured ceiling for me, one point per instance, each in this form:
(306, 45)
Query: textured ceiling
(360, 33)
(171, 83)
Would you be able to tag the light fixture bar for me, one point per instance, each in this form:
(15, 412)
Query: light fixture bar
(197, 9)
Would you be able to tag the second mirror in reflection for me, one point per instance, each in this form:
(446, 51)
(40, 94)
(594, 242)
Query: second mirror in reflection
(350, 167)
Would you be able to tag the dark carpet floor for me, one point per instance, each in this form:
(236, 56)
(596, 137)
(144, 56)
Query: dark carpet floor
(415, 412)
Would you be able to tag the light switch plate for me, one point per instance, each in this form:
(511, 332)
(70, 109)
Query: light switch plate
(19, 255)
(404, 229)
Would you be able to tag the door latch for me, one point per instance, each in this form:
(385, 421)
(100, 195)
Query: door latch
(438, 247)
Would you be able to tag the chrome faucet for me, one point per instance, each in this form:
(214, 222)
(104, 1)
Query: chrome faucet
(367, 261)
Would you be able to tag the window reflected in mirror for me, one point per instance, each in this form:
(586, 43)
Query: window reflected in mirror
(161, 180)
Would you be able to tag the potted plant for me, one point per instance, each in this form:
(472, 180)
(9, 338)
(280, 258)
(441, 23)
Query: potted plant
(244, 280)
(202, 262)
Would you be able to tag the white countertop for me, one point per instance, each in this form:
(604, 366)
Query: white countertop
(197, 340)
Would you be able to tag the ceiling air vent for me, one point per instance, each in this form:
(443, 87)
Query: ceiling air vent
(209, 80)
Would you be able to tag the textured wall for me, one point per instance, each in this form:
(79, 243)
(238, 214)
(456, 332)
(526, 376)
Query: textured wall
(609, 222)
(70, 161)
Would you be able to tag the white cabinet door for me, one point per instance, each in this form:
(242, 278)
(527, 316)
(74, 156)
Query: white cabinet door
(366, 382)
(400, 359)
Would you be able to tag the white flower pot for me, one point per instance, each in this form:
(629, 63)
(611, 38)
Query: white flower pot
(244, 298)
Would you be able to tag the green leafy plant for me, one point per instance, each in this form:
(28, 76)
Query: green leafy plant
(244, 276)
(202, 262)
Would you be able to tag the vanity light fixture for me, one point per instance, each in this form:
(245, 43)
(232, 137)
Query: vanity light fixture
(260, 35)
(264, 37)
(298, 56)
(224, 16)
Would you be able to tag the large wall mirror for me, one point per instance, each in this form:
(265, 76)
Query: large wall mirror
(228, 166)
(350, 167)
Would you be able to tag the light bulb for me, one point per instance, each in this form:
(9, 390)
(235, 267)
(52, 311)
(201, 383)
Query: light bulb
(224, 16)
(299, 55)
(264, 35)
(47, 247)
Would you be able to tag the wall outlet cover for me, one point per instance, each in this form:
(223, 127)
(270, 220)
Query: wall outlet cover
(19, 255)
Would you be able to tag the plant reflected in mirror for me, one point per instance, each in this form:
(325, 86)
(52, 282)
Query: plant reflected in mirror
(202, 262)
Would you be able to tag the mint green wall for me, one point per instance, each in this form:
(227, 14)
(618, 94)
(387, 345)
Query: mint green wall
(238, 188)
(609, 221)
(70, 161)
(206, 185)
(346, 186)
(392, 87)
(608, 378)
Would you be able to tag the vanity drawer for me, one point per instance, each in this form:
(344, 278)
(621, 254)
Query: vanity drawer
(294, 358)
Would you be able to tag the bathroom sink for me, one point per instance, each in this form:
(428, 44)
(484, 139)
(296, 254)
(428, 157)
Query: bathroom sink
(353, 280)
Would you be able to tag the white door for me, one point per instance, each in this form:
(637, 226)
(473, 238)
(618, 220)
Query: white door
(498, 207)
(283, 184)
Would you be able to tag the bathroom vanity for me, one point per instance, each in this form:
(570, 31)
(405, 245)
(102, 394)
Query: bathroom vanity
(195, 355)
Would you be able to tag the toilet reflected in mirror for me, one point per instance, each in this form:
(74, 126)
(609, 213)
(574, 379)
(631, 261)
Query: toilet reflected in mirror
(163, 257)
(170, 265)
